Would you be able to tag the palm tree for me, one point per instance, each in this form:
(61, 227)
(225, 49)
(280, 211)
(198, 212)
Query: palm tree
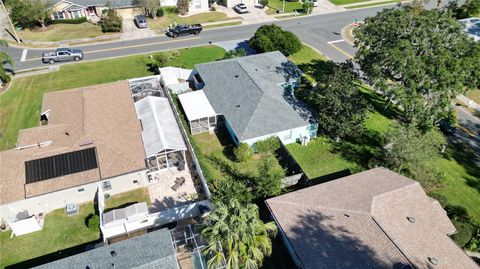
(235, 231)
(4, 58)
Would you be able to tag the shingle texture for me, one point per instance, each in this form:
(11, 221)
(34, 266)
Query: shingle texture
(101, 116)
(360, 221)
(148, 251)
(248, 92)
(95, 3)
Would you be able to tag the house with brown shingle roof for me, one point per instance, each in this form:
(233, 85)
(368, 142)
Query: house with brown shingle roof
(89, 134)
(373, 219)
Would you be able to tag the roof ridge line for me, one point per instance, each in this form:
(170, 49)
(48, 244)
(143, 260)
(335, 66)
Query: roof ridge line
(329, 208)
(372, 204)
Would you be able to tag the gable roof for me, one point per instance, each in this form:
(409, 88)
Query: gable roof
(150, 250)
(360, 221)
(160, 129)
(248, 91)
(100, 116)
(95, 3)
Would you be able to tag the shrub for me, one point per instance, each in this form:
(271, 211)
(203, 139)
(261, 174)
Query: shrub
(264, 3)
(235, 53)
(183, 6)
(171, 9)
(213, 9)
(93, 221)
(464, 232)
(307, 7)
(111, 22)
(272, 37)
(160, 12)
(268, 145)
(458, 213)
(70, 21)
(243, 152)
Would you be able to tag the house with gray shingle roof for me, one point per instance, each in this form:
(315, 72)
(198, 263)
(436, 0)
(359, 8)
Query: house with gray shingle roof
(92, 9)
(254, 97)
(150, 250)
(375, 219)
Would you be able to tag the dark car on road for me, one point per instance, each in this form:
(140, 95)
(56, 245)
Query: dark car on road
(141, 21)
(184, 29)
(62, 55)
(446, 127)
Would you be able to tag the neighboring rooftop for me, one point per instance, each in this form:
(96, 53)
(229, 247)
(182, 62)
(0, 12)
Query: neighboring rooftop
(151, 250)
(160, 128)
(249, 92)
(96, 3)
(383, 220)
(472, 27)
(196, 105)
(100, 117)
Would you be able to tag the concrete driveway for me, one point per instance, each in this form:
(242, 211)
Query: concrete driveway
(255, 14)
(131, 31)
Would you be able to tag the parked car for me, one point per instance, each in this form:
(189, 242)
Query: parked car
(61, 55)
(141, 21)
(184, 29)
(446, 127)
(315, 3)
(241, 8)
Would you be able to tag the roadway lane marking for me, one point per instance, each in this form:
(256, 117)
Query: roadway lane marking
(131, 46)
(335, 41)
(24, 55)
(341, 51)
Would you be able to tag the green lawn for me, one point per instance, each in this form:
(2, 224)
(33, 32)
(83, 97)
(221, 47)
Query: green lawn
(319, 158)
(127, 198)
(59, 232)
(372, 4)
(59, 32)
(275, 6)
(162, 23)
(20, 105)
(306, 55)
(474, 95)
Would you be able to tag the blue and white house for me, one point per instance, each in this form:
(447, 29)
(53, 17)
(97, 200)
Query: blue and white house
(253, 96)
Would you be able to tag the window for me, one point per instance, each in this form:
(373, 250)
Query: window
(76, 14)
(58, 15)
(106, 186)
(198, 4)
(80, 190)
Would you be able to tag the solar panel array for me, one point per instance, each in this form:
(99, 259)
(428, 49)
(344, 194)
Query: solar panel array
(60, 165)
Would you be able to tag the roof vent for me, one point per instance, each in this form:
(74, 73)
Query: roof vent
(236, 76)
(237, 105)
(67, 134)
(113, 253)
(346, 215)
(113, 265)
(433, 260)
(411, 219)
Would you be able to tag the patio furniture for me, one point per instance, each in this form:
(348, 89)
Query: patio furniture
(178, 183)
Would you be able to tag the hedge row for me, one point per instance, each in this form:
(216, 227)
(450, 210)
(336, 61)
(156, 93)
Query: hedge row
(70, 21)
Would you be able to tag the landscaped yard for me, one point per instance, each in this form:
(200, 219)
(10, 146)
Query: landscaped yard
(20, 105)
(344, 2)
(59, 233)
(128, 198)
(62, 31)
(161, 23)
(275, 6)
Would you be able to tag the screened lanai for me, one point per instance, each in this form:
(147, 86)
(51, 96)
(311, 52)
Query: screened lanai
(146, 86)
(200, 114)
(162, 139)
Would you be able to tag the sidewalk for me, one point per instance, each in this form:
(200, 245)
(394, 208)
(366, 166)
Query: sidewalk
(468, 102)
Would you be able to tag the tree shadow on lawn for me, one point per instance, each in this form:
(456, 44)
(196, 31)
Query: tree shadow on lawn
(465, 156)
(360, 150)
(318, 69)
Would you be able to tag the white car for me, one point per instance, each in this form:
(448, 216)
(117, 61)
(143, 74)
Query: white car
(241, 8)
(315, 3)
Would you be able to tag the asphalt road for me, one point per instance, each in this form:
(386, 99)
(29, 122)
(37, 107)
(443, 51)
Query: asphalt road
(468, 131)
(316, 31)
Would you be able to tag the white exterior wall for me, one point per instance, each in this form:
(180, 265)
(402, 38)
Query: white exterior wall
(48, 202)
(198, 6)
(296, 134)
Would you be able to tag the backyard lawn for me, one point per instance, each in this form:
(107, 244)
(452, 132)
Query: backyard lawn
(275, 6)
(128, 198)
(20, 105)
(161, 23)
(62, 31)
(59, 232)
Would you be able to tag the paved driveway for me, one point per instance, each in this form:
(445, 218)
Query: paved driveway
(130, 30)
(255, 15)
